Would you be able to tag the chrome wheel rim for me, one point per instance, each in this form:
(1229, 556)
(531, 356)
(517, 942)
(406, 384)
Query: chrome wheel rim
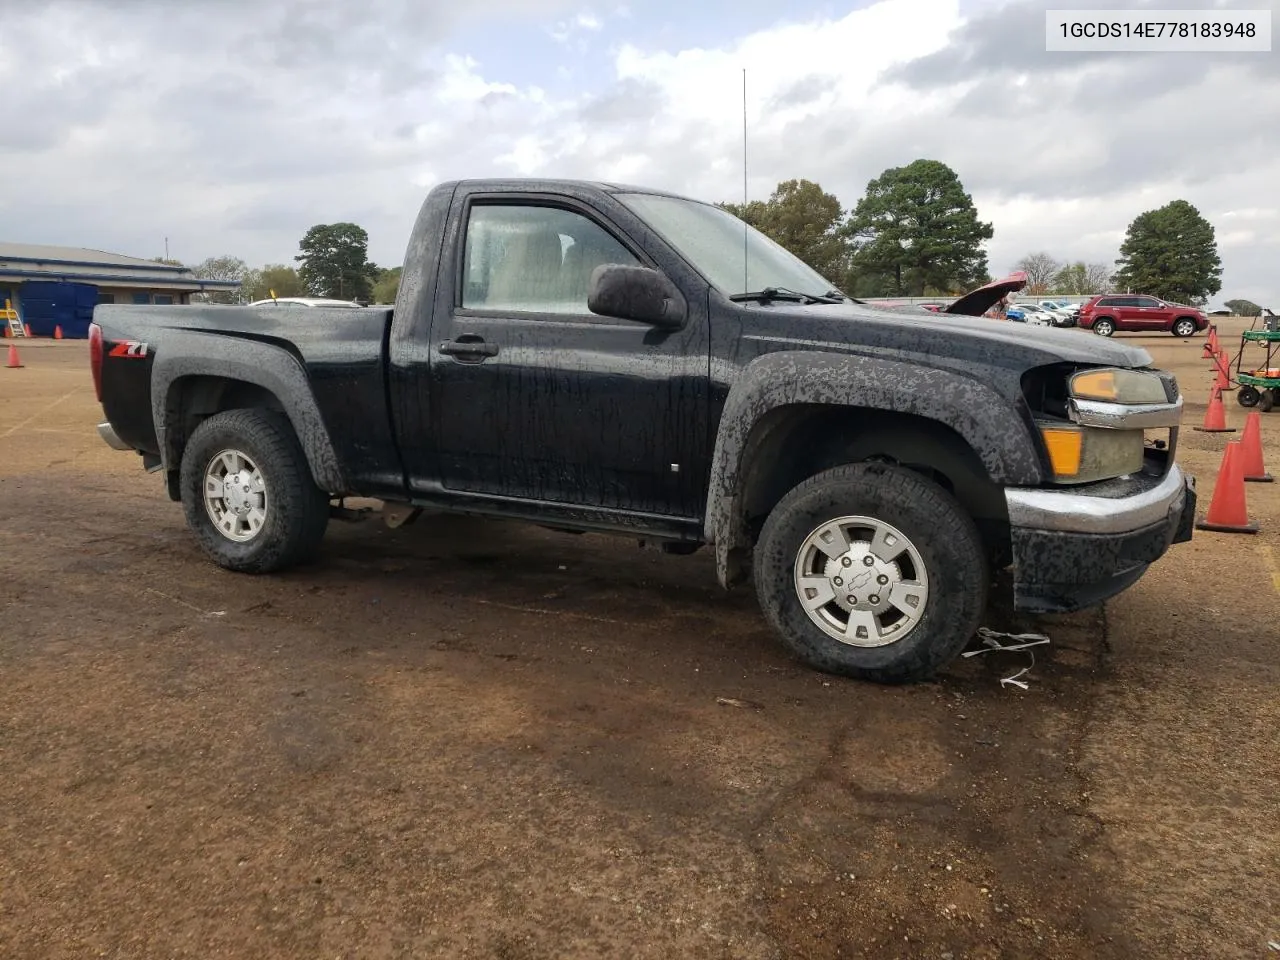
(235, 495)
(1185, 328)
(1103, 328)
(861, 581)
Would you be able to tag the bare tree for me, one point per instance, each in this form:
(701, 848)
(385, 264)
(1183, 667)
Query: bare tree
(1082, 279)
(1041, 269)
(1097, 278)
(220, 268)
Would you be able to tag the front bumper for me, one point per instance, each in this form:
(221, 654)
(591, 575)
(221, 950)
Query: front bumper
(1075, 549)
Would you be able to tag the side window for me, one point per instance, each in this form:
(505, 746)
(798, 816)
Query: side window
(1148, 302)
(142, 298)
(531, 259)
(163, 299)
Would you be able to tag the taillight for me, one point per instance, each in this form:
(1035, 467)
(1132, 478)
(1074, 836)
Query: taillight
(95, 358)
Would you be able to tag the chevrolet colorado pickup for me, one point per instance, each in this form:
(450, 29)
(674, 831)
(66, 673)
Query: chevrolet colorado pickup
(596, 357)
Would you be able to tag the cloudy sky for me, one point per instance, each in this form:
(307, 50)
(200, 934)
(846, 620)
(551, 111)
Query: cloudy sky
(230, 126)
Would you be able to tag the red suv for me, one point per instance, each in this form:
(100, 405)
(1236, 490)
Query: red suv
(1107, 314)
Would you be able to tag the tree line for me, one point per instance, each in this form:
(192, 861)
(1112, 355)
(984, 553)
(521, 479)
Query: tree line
(915, 232)
(333, 262)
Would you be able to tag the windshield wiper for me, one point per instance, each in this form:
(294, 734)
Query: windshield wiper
(782, 293)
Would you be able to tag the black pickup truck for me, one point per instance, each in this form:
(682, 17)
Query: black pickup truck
(596, 357)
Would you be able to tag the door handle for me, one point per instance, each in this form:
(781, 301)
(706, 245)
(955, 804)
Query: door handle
(469, 348)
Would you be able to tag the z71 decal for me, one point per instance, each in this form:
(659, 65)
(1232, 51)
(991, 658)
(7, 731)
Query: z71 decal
(129, 348)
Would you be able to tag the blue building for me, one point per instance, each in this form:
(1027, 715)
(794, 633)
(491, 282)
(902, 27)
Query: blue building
(59, 286)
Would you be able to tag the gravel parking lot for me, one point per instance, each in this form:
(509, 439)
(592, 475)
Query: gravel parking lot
(480, 739)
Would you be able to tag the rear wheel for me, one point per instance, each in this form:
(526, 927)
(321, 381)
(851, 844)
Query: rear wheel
(1184, 327)
(1248, 396)
(247, 492)
(1104, 327)
(872, 571)
(1267, 400)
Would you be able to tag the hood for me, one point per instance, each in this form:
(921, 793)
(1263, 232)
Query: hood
(934, 337)
(974, 303)
(977, 302)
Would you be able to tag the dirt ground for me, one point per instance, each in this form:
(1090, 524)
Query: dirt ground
(479, 739)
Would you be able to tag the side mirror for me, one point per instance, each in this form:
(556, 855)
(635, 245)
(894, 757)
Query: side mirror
(636, 293)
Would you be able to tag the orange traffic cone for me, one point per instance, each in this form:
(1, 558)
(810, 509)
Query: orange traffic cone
(57, 333)
(1215, 417)
(26, 328)
(1222, 381)
(1228, 512)
(14, 362)
(1209, 352)
(1251, 446)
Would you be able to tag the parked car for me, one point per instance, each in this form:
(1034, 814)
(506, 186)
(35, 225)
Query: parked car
(589, 357)
(1104, 315)
(1029, 313)
(1064, 313)
(304, 302)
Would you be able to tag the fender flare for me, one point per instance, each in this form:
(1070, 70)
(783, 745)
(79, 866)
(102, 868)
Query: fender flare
(974, 410)
(191, 353)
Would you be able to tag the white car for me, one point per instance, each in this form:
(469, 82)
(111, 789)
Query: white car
(305, 302)
(1033, 315)
(1061, 309)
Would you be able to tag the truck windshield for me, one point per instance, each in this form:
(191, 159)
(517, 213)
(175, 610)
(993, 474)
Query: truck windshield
(735, 257)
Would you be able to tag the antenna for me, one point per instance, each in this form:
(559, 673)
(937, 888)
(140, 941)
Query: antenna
(746, 283)
(166, 248)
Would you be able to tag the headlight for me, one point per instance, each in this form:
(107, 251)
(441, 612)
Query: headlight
(1093, 423)
(1117, 386)
(1085, 454)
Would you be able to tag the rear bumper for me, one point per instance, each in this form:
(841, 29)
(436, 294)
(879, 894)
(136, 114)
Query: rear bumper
(111, 438)
(1072, 550)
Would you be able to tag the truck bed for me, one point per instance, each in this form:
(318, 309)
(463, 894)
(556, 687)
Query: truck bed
(338, 354)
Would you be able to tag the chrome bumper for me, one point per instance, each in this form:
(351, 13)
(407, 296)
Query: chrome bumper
(1125, 416)
(111, 438)
(1068, 511)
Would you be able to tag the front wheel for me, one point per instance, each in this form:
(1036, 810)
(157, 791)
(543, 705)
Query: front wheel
(1184, 328)
(1104, 328)
(1248, 396)
(872, 571)
(247, 492)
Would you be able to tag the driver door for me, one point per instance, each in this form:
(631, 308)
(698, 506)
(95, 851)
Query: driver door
(536, 398)
(1149, 314)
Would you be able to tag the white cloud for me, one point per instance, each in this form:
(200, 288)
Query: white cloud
(583, 22)
(239, 142)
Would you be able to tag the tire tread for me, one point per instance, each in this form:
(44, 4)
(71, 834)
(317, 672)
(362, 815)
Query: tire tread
(300, 509)
(949, 524)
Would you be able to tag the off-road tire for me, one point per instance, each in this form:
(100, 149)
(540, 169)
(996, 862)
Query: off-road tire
(1104, 327)
(935, 523)
(297, 512)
